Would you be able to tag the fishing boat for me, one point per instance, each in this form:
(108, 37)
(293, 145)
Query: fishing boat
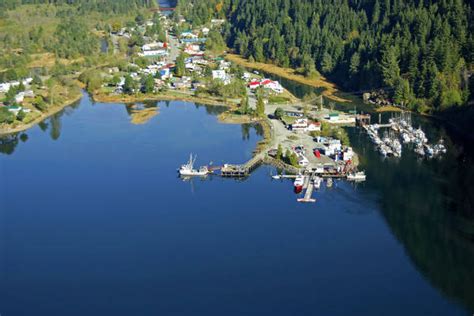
(357, 176)
(298, 183)
(188, 170)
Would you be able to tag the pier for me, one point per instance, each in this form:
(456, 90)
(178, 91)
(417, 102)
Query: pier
(309, 186)
(241, 171)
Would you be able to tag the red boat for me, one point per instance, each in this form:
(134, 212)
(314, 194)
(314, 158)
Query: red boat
(298, 184)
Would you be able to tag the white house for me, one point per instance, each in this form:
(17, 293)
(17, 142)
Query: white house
(299, 125)
(219, 75)
(155, 53)
(314, 127)
(272, 85)
(205, 31)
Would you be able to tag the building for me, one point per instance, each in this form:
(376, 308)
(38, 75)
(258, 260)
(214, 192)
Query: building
(205, 31)
(154, 53)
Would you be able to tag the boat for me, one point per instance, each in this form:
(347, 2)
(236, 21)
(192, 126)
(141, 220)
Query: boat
(317, 182)
(188, 170)
(277, 177)
(357, 176)
(298, 183)
(329, 183)
(419, 150)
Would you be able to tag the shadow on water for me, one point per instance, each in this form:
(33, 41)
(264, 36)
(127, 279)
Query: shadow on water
(428, 206)
(52, 125)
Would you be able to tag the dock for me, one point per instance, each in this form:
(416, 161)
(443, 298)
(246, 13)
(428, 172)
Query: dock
(241, 171)
(309, 186)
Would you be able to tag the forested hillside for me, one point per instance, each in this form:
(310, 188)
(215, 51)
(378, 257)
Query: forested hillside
(81, 6)
(421, 51)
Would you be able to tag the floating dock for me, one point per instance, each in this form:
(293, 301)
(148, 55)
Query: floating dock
(309, 186)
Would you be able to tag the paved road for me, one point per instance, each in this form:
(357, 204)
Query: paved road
(174, 49)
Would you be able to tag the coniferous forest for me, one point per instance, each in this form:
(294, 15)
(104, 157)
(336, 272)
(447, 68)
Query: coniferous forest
(420, 51)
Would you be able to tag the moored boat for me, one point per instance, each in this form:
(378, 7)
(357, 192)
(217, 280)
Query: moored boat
(298, 183)
(357, 176)
(188, 170)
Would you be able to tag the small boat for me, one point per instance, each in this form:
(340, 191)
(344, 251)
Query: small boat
(329, 183)
(298, 183)
(317, 182)
(419, 150)
(277, 177)
(357, 176)
(187, 170)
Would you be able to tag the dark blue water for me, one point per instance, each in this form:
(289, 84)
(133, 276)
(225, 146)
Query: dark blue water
(94, 221)
(167, 3)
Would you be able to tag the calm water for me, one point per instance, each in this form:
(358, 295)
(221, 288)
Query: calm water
(94, 221)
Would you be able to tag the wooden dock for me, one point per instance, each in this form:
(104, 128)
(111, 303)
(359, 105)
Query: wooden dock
(241, 171)
(309, 186)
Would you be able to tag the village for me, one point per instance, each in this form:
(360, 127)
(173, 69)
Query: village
(303, 137)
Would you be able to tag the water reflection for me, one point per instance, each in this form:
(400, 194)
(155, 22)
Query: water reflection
(53, 125)
(428, 205)
(142, 113)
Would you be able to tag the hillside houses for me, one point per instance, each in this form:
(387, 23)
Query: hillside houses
(265, 83)
(305, 125)
(156, 49)
(4, 87)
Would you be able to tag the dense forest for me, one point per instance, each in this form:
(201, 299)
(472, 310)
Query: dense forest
(420, 51)
(81, 6)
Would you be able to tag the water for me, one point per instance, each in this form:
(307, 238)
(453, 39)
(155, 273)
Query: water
(167, 3)
(94, 221)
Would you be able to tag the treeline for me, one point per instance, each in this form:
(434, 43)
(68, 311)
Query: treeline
(419, 50)
(81, 6)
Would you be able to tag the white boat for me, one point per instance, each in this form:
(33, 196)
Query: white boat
(419, 150)
(357, 176)
(317, 182)
(329, 183)
(189, 171)
(298, 183)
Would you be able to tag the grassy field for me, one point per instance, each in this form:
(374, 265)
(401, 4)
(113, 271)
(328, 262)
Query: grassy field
(321, 82)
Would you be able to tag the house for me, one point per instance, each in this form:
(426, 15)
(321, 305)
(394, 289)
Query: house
(219, 75)
(193, 50)
(14, 109)
(4, 87)
(20, 97)
(153, 46)
(314, 127)
(254, 84)
(224, 65)
(299, 125)
(205, 31)
(275, 86)
(154, 53)
(333, 117)
(246, 76)
(347, 154)
(182, 83)
(188, 35)
(165, 73)
(340, 119)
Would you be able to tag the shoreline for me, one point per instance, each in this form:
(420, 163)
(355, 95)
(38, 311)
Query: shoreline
(329, 88)
(103, 98)
(44, 115)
